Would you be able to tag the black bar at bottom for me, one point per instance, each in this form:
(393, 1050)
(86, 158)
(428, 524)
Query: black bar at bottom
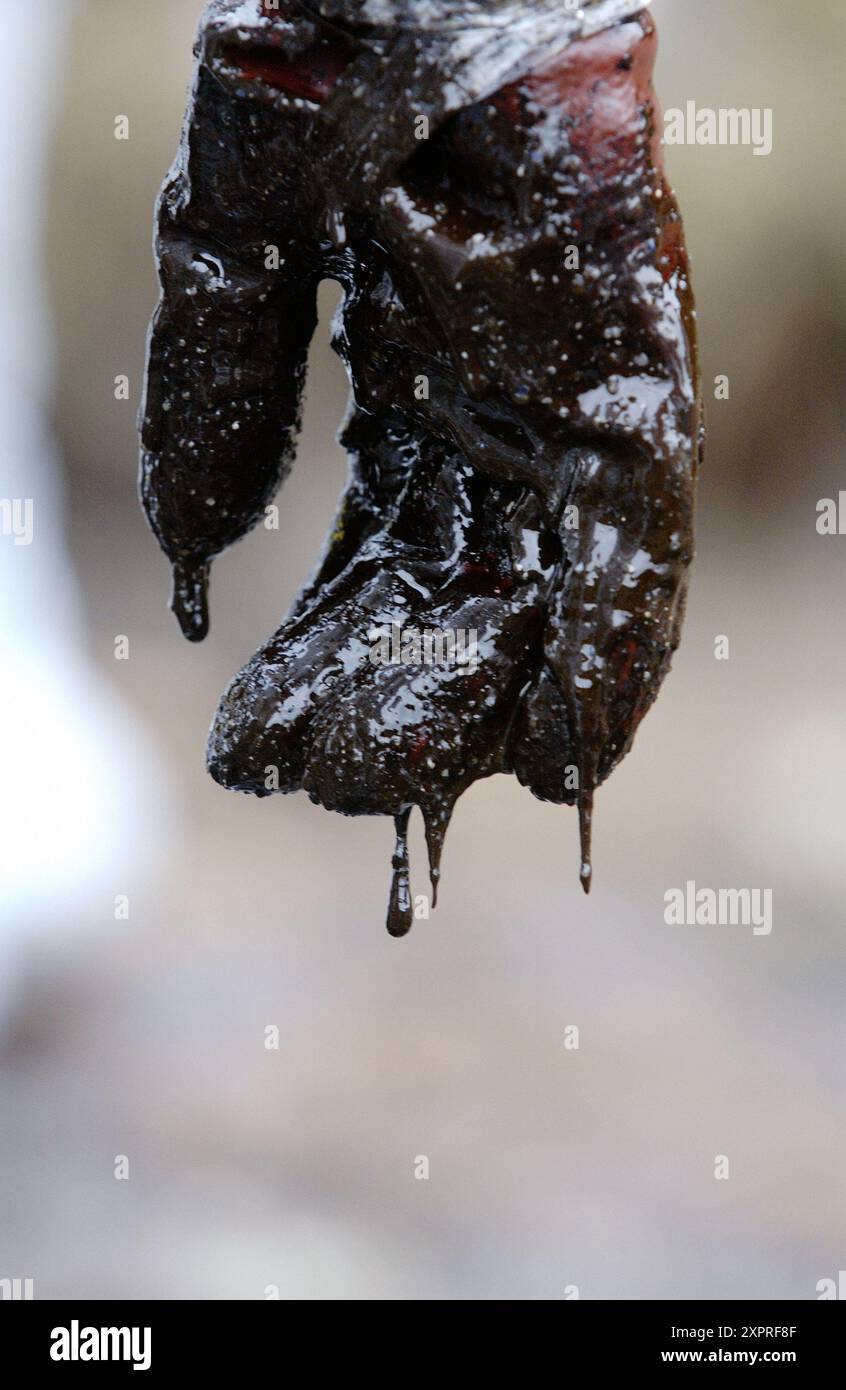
(166, 1338)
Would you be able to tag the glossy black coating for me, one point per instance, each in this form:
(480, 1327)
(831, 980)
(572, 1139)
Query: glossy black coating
(524, 429)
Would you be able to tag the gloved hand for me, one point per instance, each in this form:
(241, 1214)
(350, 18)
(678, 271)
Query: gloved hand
(524, 429)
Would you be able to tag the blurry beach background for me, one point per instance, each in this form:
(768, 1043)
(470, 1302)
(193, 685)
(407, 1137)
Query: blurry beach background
(294, 1169)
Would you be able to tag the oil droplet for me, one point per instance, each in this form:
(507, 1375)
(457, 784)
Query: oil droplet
(436, 824)
(399, 901)
(585, 828)
(190, 598)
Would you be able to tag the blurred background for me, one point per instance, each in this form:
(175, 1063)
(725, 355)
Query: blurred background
(143, 1035)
